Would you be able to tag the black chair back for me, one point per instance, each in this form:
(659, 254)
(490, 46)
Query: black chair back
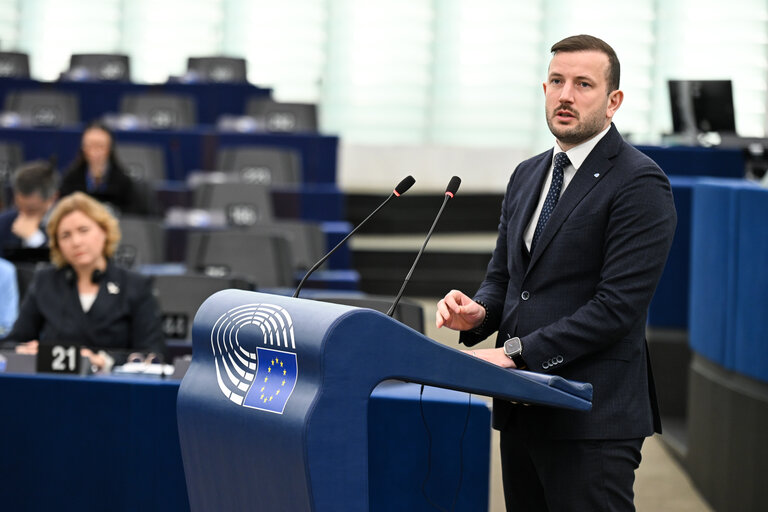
(264, 258)
(161, 111)
(14, 65)
(219, 69)
(110, 67)
(261, 165)
(283, 117)
(143, 162)
(44, 109)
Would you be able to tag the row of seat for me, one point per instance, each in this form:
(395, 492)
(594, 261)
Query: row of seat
(117, 68)
(264, 165)
(155, 111)
(268, 252)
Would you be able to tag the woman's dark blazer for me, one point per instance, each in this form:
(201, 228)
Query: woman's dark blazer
(125, 316)
(119, 190)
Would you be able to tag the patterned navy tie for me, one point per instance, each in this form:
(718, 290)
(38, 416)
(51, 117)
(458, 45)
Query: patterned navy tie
(561, 161)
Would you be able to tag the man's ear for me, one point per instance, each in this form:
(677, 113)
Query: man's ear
(615, 98)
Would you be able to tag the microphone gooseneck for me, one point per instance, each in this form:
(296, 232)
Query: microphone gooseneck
(399, 190)
(450, 191)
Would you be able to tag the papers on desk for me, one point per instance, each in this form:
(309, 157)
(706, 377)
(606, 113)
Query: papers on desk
(144, 369)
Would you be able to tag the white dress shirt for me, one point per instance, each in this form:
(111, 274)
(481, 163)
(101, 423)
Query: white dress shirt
(576, 155)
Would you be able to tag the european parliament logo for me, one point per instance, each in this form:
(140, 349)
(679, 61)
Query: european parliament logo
(254, 354)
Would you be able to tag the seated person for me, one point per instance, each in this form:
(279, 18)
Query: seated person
(85, 298)
(97, 172)
(35, 188)
(9, 306)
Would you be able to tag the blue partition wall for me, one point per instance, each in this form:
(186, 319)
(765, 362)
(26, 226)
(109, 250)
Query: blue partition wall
(729, 275)
(685, 166)
(712, 290)
(750, 311)
(728, 377)
(669, 307)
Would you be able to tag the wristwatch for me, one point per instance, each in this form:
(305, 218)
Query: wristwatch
(513, 349)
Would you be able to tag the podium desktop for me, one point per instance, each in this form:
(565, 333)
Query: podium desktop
(273, 411)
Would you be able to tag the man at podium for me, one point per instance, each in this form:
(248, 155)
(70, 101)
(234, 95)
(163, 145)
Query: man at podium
(583, 237)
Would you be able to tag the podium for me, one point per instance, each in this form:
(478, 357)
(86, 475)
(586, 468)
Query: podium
(273, 410)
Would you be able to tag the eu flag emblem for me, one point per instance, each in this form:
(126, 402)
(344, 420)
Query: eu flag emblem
(274, 381)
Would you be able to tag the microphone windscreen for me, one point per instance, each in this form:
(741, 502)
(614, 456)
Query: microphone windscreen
(453, 186)
(404, 185)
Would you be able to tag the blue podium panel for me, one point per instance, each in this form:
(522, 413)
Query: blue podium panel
(697, 161)
(669, 307)
(445, 451)
(713, 279)
(260, 428)
(750, 325)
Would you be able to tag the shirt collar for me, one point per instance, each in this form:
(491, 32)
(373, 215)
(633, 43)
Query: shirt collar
(578, 154)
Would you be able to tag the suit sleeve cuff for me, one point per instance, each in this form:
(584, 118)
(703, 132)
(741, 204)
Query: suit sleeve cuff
(479, 333)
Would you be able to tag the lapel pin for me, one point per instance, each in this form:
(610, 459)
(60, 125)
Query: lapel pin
(113, 288)
(596, 175)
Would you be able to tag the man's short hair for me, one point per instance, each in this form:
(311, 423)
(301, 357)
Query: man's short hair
(584, 42)
(38, 177)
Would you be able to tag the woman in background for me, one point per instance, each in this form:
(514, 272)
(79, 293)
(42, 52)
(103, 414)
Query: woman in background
(97, 172)
(85, 299)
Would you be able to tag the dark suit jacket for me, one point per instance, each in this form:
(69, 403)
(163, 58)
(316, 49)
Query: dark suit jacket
(8, 239)
(125, 314)
(119, 190)
(579, 303)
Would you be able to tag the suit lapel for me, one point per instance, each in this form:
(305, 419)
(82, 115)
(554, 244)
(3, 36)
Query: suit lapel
(107, 298)
(594, 168)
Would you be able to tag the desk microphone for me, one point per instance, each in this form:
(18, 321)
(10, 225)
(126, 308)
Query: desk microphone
(450, 191)
(399, 190)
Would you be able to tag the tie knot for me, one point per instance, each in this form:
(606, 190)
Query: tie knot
(561, 160)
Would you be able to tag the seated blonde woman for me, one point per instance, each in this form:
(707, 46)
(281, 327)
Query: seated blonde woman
(85, 298)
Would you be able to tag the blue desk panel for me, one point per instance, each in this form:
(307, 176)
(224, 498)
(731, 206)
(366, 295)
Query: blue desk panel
(104, 443)
(99, 98)
(697, 161)
(90, 444)
(185, 150)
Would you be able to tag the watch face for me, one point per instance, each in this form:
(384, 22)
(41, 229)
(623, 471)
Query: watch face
(512, 346)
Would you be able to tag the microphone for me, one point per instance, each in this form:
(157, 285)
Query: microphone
(450, 191)
(399, 190)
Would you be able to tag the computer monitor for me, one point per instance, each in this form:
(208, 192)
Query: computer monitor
(702, 106)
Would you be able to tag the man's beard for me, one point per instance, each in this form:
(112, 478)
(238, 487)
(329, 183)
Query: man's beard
(583, 131)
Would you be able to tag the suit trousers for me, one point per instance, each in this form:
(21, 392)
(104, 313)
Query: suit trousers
(574, 475)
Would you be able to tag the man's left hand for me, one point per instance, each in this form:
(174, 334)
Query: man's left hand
(492, 355)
